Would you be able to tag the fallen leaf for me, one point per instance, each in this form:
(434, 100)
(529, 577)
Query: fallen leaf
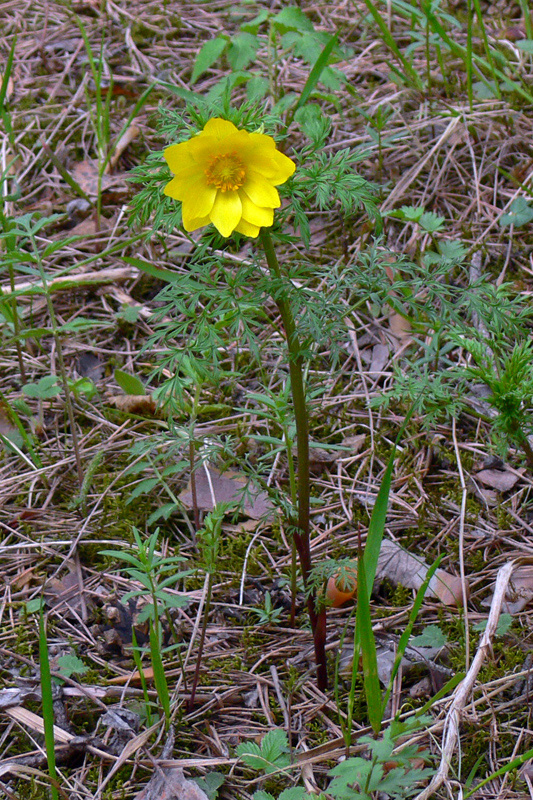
(89, 365)
(520, 591)
(447, 587)
(17, 697)
(401, 567)
(231, 487)
(88, 227)
(380, 357)
(85, 173)
(141, 404)
(131, 133)
(171, 784)
(500, 479)
(400, 327)
(412, 659)
(65, 592)
(353, 444)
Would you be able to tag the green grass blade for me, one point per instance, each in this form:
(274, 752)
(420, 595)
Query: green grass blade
(367, 565)
(160, 679)
(388, 39)
(314, 76)
(406, 635)
(486, 46)
(367, 641)
(139, 667)
(4, 114)
(48, 708)
(448, 687)
(460, 51)
(514, 764)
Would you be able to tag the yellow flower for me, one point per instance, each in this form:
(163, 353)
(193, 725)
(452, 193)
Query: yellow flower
(228, 177)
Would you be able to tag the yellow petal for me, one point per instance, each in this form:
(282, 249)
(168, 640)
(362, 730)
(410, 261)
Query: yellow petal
(179, 186)
(198, 201)
(202, 148)
(226, 212)
(178, 157)
(260, 191)
(261, 154)
(261, 142)
(248, 229)
(219, 128)
(194, 224)
(256, 215)
(276, 168)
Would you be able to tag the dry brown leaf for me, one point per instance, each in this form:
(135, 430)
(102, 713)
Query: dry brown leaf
(131, 133)
(400, 566)
(87, 227)
(65, 592)
(520, 591)
(85, 173)
(500, 479)
(171, 784)
(354, 443)
(400, 327)
(141, 404)
(231, 487)
(447, 588)
(380, 357)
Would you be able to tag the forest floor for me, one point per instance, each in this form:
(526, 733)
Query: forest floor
(438, 106)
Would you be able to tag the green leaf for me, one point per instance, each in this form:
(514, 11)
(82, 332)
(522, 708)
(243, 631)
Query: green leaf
(520, 213)
(71, 665)
(47, 705)
(209, 53)
(129, 383)
(292, 18)
(160, 679)
(254, 24)
(431, 222)
(44, 389)
(33, 606)
(142, 488)
(504, 623)
(526, 45)
(366, 639)
(271, 756)
(407, 213)
(486, 90)
(129, 313)
(82, 324)
(314, 75)
(431, 636)
(242, 51)
(256, 88)
(210, 784)
(155, 272)
(453, 250)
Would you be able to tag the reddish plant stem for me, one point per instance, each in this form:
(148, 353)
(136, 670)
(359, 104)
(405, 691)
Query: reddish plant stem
(301, 526)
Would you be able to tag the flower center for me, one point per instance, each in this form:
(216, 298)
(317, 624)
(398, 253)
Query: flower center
(226, 172)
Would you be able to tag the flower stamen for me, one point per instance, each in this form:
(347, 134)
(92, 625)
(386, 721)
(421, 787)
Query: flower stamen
(226, 172)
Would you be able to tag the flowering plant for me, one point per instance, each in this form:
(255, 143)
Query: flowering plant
(228, 177)
(225, 172)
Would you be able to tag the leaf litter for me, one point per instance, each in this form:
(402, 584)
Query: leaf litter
(455, 168)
